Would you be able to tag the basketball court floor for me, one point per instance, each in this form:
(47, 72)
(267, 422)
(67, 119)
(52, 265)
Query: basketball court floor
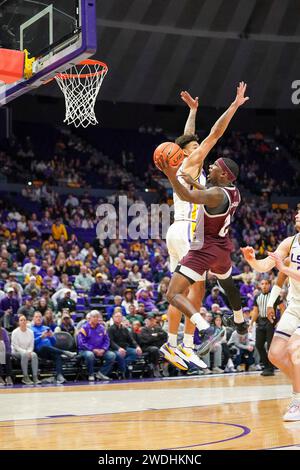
(239, 411)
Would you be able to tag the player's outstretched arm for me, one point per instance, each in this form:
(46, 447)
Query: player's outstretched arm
(281, 266)
(211, 197)
(268, 263)
(193, 103)
(195, 160)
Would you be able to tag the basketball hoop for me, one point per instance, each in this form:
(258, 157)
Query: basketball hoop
(80, 86)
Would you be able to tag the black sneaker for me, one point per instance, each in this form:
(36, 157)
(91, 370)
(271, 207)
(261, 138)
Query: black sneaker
(267, 372)
(241, 328)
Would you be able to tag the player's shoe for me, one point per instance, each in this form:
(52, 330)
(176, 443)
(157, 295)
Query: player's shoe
(293, 411)
(209, 337)
(171, 355)
(241, 328)
(190, 357)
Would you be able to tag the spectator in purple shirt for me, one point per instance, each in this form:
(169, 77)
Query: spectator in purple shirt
(214, 298)
(9, 307)
(93, 343)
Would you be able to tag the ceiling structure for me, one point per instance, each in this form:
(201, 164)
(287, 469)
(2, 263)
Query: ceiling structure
(155, 48)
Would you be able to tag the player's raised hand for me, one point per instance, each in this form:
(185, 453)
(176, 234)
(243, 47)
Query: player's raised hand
(248, 253)
(240, 94)
(192, 103)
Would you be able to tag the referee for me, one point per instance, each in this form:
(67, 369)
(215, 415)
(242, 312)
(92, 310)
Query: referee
(264, 328)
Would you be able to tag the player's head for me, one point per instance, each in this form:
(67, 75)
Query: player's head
(223, 172)
(188, 143)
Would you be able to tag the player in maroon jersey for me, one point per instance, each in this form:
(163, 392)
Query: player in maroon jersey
(211, 247)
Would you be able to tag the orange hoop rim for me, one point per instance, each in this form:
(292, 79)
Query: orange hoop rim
(103, 71)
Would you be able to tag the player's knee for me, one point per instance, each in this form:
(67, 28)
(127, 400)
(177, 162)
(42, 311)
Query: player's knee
(171, 292)
(275, 355)
(292, 347)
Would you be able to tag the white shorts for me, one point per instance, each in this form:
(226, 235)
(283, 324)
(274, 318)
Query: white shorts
(290, 320)
(178, 241)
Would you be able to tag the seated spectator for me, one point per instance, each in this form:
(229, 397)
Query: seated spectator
(129, 300)
(12, 282)
(99, 288)
(49, 320)
(136, 330)
(117, 303)
(9, 307)
(134, 316)
(162, 301)
(66, 323)
(144, 296)
(215, 298)
(141, 310)
(5, 358)
(58, 229)
(51, 280)
(122, 343)
(27, 309)
(61, 265)
(22, 340)
(64, 282)
(216, 309)
(215, 350)
(245, 350)
(226, 353)
(32, 263)
(73, 263)
(84, 280)
(134, 275)
(32, 286)
(44, 345)
(118, 286)
(93, 343)
(151, 338)
(246, 290)
(247, 314)
(67, 302)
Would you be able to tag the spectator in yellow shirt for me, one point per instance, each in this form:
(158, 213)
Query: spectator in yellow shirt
(59, 229)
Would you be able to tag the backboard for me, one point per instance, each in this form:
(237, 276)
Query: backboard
(56, 33)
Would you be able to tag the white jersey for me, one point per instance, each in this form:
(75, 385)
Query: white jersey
(294, 288)
(184, 210)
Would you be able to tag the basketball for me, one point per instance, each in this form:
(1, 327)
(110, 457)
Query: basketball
(170, 152)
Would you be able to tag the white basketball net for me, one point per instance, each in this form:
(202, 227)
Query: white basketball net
(80, 86)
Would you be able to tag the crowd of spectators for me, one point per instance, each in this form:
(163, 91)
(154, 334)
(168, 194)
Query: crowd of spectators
(54, 271)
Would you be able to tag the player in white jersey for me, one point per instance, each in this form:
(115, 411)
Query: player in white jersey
(180, 233)
(284, 351)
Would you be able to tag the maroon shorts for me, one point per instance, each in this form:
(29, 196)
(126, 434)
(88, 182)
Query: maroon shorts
(213, 257)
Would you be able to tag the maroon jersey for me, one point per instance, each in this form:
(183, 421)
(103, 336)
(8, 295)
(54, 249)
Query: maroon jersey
(214, 227)
(211, 246)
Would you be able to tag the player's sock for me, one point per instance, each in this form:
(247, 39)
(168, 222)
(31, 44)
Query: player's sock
(188, 341)
(199, 321)
(172, 340)
(238, 316)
